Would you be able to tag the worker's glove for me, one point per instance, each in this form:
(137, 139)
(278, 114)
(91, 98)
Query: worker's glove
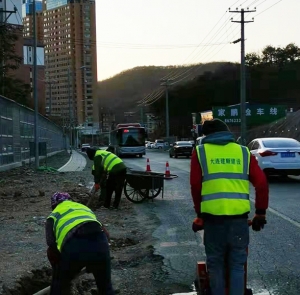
(96, 187)
(197, 224)
(258, 222)
(53, 256)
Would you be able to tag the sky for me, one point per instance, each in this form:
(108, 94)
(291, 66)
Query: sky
(133, 33)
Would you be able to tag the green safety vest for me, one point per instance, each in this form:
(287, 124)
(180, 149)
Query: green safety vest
(66, 216)
(225, 182)
(109, 160)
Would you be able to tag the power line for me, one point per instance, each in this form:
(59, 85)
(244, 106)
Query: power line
(201, 53)
(268, 8)
(175, 76)
(261, 3)
(252, 3)
(197, 47)
(193, 68)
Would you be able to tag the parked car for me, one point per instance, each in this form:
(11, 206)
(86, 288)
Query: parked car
(84, 146)
(159, 144)
(181, 148)
(277, 155)
(148, 144)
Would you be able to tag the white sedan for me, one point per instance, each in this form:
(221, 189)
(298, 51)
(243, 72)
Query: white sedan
(277, 155)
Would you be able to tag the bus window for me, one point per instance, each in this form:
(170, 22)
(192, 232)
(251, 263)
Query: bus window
(133, 137)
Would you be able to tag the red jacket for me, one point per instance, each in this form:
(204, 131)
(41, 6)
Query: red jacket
(256, 177)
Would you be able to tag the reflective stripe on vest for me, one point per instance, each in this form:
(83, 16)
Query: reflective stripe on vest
(66, 216)
(109, 159)
(225, 182)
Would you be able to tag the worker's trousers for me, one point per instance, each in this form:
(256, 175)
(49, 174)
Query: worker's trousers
(228, 237)
(114, 183)
(90, 251)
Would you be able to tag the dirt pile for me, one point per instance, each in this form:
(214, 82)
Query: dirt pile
(286, 127)
(24, 207)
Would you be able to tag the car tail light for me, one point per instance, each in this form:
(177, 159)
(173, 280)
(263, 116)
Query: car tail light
(268, 153)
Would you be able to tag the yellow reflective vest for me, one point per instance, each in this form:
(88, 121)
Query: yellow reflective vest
(225, 182)
(109, 160)
(66, 216)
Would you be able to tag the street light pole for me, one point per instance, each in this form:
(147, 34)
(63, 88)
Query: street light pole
(70, 110)
(35, 97)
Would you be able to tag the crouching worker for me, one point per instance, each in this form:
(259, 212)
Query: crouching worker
(76, 239)
(108, 165)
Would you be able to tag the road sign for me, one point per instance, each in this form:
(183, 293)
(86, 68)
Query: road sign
(256, 114)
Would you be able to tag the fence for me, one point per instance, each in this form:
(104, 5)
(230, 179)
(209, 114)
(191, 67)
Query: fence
(17, 131)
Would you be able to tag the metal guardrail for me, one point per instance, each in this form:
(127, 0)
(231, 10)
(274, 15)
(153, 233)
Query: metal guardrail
(17, 131)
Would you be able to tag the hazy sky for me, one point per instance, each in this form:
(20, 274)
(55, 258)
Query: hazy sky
(134, 33)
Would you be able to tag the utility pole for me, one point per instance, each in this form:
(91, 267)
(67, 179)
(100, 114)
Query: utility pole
(166, 82)
(50, 96)
(4, 16)
(35, 96)
(142, 115)
(243, 72)
(50, 104)
(70, 108)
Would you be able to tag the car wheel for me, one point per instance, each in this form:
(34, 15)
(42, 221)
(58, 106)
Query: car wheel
(160, 147)
(170, 156)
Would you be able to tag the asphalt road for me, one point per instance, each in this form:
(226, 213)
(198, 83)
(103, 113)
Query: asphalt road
(274, 255)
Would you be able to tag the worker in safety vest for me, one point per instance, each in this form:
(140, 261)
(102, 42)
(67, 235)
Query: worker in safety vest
(102, 185)
(108, 165)
(76, 239)
(221, 172)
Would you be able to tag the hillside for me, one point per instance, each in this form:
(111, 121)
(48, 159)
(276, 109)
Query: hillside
(122, 92)
(286, 127)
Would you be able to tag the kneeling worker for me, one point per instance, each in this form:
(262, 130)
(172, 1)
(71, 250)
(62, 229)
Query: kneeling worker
(76, 239)
(107, 164)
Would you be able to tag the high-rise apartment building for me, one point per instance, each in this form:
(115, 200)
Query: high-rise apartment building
(27, 9)
(71, 61)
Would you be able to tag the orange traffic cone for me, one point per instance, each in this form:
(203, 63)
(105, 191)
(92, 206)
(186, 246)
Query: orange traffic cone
(148, 169)
(167, 174)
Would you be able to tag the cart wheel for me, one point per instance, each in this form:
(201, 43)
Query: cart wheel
(248, 292)
(132, 194)
(150, 193)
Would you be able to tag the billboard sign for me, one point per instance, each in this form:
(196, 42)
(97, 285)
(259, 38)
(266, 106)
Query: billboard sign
(256, 114)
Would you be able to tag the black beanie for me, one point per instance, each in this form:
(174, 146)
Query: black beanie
(91, 153)
(212, 126)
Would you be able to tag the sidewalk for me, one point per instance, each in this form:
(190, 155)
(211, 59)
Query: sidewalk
(77, 162)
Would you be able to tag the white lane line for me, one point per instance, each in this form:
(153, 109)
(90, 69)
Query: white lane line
(297, 224)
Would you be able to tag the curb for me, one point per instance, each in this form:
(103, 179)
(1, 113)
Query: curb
(66, 163)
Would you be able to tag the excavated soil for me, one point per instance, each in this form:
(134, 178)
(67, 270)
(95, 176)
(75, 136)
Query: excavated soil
(24, 268)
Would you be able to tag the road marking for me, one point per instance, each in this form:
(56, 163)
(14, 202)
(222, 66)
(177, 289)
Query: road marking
(297, 224)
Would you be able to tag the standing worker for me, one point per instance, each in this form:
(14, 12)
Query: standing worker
(107, 164)
(76, 239)
(221, 172)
